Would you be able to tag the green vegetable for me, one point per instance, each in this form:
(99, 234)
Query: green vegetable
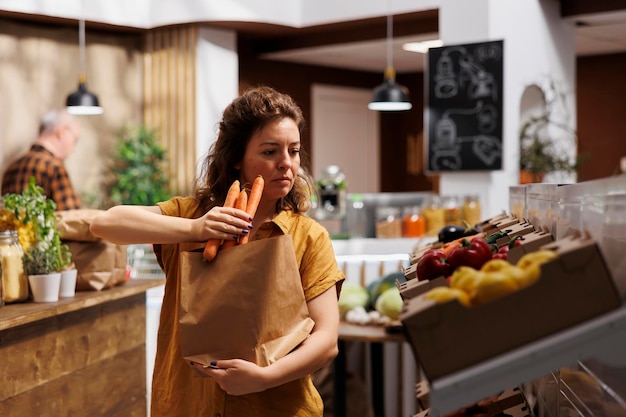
(390, 303)
(352, 296)
(376, 288)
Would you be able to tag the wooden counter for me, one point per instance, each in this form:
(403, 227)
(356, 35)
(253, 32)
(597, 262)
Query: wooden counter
(80, 356)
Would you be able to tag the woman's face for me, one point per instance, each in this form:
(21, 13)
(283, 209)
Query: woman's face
(274, 153)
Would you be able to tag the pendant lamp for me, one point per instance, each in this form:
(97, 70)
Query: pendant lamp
(82, 102)
(390, 96)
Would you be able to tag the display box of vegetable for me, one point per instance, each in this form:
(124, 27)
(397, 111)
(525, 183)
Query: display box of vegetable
(530, 243)
(413, 288)
(487, 312)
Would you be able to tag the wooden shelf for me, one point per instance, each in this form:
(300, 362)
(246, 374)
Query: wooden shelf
(13, 315)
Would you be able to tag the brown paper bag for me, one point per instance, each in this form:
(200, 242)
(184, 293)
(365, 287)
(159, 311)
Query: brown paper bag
(247, 303)
(100, 264)
(74, 224)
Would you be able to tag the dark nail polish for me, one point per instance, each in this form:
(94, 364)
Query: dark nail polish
(244, 231)
(235, 237)
(250, 219)
(250, 226)
(213, 363)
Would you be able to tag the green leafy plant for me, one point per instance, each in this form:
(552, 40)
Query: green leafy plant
(39, 261)
(36, 226)
(139, 174)
(539, 152)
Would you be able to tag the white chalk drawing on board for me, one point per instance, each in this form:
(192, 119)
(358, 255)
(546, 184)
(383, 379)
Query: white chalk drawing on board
(471, 80)
(446, 147)
(472, 76)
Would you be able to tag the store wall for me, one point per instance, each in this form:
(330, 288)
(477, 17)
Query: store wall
(601, 102)
(400, 131)
(39, 68)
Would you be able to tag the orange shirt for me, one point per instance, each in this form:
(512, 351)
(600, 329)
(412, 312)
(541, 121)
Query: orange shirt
(49, 173)
(177, 391)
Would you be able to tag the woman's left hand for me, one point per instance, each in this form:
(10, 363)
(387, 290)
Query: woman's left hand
(235, 376)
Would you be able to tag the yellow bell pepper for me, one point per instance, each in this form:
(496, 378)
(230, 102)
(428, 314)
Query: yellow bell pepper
(532, 261)
(521, 277)
(465, 278)
(493, 285)
(444, 294)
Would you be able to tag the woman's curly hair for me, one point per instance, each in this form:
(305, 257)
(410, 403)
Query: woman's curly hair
(242, 118)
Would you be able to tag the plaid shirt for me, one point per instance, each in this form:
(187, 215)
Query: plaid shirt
(50, 174)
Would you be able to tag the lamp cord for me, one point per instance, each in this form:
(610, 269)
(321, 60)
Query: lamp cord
(81, 50)
(389, 44)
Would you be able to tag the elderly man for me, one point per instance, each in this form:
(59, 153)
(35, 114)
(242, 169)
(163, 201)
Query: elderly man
(58, 133)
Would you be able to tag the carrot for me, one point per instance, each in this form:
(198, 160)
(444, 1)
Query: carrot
(253, 202)
(210, 250)
(240, 204)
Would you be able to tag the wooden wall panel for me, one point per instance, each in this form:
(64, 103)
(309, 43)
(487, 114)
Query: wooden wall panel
(169, 99)
(600, 101)
(115, 389)
(90, 362)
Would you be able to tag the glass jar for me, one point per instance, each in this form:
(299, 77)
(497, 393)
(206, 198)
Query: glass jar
(356, 217)
(413, 223)
(388, 222)
(451, 210)
(14, 279)
(471, 210)
(434, 215)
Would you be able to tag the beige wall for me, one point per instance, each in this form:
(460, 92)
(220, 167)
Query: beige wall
(39, 68)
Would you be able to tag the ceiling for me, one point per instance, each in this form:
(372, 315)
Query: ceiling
(594, 36)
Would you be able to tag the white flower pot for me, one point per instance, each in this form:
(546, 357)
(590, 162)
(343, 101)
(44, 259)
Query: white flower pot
(45, 288)
(68, 283)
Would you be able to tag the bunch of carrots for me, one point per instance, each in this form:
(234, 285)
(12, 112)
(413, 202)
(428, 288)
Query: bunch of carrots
(237, 198)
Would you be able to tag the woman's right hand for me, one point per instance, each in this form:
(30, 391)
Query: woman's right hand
(222, 223)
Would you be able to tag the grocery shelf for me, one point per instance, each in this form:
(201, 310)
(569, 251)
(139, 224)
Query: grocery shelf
(602, 338)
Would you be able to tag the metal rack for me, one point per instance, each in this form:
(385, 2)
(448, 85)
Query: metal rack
(603, 337)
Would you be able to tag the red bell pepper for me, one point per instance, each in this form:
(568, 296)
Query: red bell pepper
(432, 264)
(472, 253)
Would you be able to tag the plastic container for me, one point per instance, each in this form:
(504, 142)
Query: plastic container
(613, 242)
(517, 201)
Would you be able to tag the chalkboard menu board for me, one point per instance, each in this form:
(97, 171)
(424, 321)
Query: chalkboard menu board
(464, 107)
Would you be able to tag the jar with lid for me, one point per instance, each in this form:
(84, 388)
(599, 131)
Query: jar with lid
(388, 222)
(14, 279)
(434, 215)
(471, 210)
(413, 223)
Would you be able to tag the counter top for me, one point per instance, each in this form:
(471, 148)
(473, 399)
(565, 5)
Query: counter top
(13, 315)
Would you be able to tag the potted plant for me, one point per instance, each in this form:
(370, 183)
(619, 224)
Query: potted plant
(138, 172)
(546, 139)
(44, 253)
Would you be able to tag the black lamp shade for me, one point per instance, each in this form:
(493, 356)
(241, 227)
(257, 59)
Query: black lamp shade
(390, 96)
(83, 102)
